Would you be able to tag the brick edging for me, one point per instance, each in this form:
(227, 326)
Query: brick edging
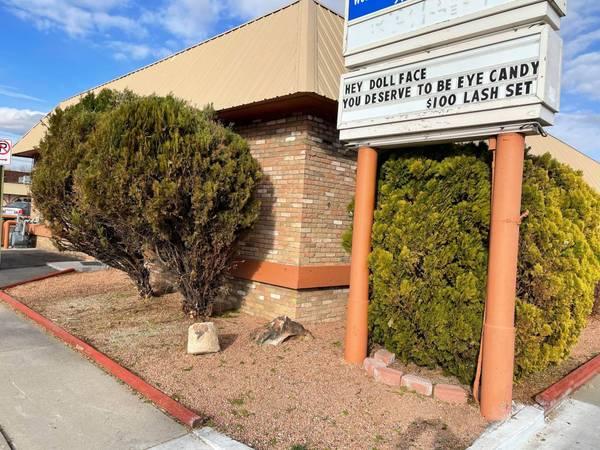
(379, 368)
(163, 401)
(38, 278)
(569, 384)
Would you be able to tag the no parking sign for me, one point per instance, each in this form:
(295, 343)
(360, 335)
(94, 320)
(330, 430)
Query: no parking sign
(5, 152)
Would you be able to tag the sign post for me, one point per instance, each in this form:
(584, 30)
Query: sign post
(5, 160)
(431, 71)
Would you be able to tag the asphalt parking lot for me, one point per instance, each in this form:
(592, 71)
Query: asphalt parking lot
(22, 264)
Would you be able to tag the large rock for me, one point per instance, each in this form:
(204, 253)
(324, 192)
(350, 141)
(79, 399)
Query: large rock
(203, 338)
(278, 330)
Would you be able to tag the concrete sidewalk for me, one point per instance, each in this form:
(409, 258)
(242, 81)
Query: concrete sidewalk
(53, 398)
(575, 424)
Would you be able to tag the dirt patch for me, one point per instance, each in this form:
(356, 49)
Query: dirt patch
(301, 393)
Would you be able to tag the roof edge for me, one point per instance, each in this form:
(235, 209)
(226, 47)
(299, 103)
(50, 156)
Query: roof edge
(298, 102)
(573, 148)
(187, 49)
(166, 58)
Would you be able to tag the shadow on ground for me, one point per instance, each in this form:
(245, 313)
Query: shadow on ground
(443, 438)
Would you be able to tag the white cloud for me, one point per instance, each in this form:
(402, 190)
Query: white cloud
(580, 43)
(581, 15)
(194, 20)
(9, 91)
(249, 9)
(188, 20)
(581, 130)
(127, 51)
(581, 33)
(77, 18)
(582, 75)
(18, 121)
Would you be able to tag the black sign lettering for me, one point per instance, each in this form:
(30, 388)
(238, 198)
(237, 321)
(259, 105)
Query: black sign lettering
(402, 86)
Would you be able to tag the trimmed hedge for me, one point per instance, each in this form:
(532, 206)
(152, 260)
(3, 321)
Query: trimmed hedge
(76, 225)
(559, 265)
(172, 176)
(429, 259)
(123, 176)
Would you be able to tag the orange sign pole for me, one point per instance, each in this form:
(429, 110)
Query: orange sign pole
(499, 328)
(358, 299)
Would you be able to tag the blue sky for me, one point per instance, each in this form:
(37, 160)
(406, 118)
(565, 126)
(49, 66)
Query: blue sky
(53, 49)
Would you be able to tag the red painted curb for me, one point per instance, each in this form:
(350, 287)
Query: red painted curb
(41, 277)
(569, 384)
(159, 398)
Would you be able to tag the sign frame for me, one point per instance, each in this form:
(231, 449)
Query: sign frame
(5, 156)
(526, 113)
(498, 18)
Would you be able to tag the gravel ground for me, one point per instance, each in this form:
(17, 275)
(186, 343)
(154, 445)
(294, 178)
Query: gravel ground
(298, 394)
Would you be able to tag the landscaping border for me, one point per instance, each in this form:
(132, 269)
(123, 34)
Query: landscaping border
(552, 396)
(159, 398)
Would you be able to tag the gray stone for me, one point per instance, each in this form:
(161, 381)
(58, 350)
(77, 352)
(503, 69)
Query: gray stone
(278, 330)
(203, 338)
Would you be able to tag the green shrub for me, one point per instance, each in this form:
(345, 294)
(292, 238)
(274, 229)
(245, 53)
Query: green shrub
(171, 174)
(429, 259)
(559, 265)
(76, 225)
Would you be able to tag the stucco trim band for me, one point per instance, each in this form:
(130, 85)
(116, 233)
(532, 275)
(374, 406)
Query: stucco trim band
(292, 277)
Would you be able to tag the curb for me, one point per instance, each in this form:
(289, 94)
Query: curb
(514, 432)
(4, 445)
(569, 384)
(38, 278)
(160, 399)
(202, 439)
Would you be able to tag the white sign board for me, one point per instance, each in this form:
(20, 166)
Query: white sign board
(462, 90)
(5, 152)
(380, 29)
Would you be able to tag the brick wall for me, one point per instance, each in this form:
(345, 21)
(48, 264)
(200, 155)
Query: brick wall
(329, 180)
(308, 183)
(280, 147)
(308, 306)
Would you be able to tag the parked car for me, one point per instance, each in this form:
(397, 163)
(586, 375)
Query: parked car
(16, 208)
